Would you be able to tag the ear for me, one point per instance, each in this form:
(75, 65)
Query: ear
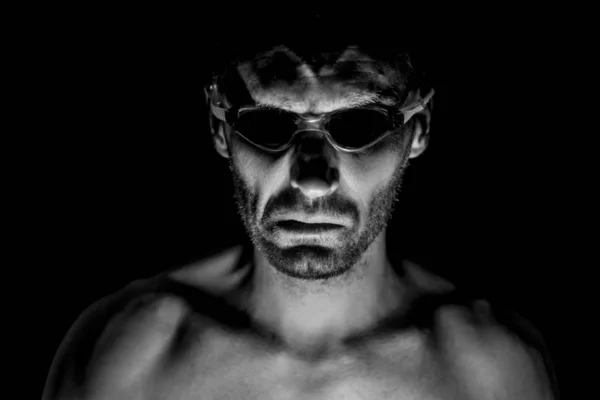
(421, 126)
(217, 129)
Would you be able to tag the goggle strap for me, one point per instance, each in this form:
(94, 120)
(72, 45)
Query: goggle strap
(408, 113)
(218, 112)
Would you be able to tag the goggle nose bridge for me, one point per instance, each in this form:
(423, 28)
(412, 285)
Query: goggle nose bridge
(312, 124)
(312, 128)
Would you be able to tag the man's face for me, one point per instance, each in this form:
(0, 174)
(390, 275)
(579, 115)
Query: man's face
(356, 191)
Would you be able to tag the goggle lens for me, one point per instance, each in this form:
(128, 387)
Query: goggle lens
(351, 129)
(357, 128)
(269, 128)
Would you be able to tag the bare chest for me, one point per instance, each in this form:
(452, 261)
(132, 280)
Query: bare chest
(232, 367)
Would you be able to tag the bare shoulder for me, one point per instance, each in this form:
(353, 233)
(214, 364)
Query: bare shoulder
(103, 347)
(495, 352)
(122, 337)
(492, 349)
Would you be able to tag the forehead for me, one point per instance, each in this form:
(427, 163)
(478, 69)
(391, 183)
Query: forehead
(319, 82)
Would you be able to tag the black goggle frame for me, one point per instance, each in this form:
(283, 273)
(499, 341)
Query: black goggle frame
(317, 123)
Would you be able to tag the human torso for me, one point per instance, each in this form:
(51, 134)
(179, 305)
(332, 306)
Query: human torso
(214, 356)
(227, 365)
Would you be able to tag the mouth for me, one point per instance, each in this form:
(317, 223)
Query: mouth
(301, 227)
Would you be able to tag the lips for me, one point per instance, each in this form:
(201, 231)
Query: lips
(298, 226)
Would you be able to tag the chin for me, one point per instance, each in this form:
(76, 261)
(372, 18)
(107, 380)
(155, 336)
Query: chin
(310, 261)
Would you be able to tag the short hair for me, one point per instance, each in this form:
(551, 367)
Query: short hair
(389, 43)
(406, 76)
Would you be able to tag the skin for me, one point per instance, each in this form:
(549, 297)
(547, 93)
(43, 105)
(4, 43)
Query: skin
(315, 291)
(317, 297)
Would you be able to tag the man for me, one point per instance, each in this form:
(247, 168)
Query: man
(314, 308)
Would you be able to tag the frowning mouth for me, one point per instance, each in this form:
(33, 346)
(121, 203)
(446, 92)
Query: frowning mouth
(301, 227)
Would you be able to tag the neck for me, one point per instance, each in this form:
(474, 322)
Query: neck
(316, 313)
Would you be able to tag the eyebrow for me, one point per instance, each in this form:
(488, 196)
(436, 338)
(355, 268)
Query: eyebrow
(357, 103)
(267, 106)
(379, 100)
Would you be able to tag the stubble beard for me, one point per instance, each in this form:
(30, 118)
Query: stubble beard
(318, 262)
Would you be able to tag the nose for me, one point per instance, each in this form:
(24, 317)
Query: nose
(314, 171)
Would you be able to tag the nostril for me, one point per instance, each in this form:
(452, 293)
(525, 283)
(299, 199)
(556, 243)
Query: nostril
(314, 176)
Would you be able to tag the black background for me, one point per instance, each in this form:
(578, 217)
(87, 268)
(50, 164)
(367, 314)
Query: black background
(124, 181)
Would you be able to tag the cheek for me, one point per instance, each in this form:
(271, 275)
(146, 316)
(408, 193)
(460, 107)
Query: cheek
(367, 173)
(261, 173)
(379, 162)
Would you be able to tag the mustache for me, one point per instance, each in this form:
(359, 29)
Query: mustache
(291, 200)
